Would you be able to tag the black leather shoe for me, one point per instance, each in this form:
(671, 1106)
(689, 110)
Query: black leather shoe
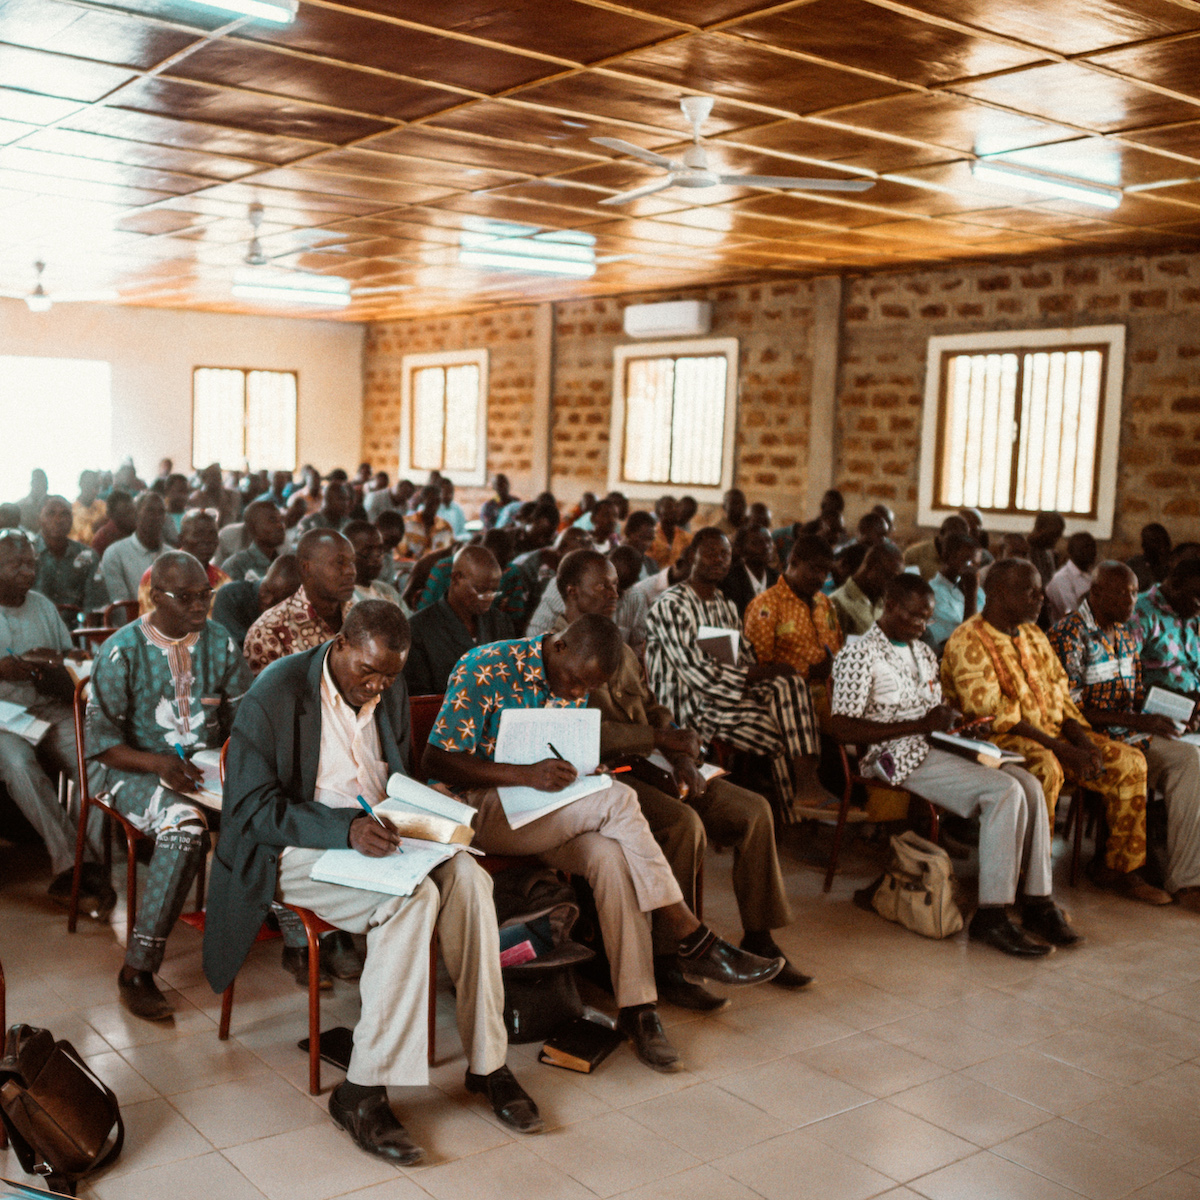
(295, 962)
(373, 1127)
(140, 996)
(674, 988)
(96, 896)
(508, 1099)
(763, 944)
(340, 956)
(717, 960)
(643, 1028)
(1004, 935)
(1050, 923)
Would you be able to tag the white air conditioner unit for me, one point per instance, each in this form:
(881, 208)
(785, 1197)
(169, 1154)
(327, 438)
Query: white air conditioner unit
(676, 318)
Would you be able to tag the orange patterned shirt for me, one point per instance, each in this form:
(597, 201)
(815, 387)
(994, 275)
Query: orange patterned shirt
(986, 673)
(782, 628)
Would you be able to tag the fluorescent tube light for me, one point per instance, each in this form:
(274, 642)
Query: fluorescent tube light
(329, 291)
(1047, 185)
(281, 12)
(507, 246)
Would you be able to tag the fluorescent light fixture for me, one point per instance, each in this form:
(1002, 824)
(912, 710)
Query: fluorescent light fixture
(328, 291)
(507, 246)
(280, 12)
(1048, 185)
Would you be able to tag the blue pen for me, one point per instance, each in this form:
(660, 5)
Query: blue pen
(179, 751)
(374, 817)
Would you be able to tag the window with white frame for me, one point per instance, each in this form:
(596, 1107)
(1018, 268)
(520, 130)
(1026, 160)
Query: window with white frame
(673, 418)
(1020, 422)
(244, 417)
(443, 415)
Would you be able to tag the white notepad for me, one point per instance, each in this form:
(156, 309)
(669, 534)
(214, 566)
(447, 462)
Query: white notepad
(526, 736)
(1166, 703)
(394, 874)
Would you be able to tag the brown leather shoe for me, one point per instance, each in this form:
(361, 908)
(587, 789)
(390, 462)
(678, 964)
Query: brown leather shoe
(641, 1025)
(1128, 884)
(140, 996)
(373, 1127)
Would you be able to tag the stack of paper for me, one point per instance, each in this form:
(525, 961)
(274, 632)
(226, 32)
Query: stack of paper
(395, 874)
(721, 644)
(1166, 703)
(526, 736)
(19, 720)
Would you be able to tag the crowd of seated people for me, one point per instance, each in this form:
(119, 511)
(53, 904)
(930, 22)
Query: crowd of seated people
(295, 617)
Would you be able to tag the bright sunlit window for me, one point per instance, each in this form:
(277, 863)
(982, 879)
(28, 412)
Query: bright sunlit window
(674, 405)
(56, 414)
(1017, 423)
(443, 415)
(244, 417)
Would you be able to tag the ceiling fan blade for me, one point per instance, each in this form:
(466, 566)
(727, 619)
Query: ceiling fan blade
(647, 156)
(792, 181)
(637, 193)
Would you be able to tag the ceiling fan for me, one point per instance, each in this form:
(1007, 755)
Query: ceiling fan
(692, 169)
(39, 300)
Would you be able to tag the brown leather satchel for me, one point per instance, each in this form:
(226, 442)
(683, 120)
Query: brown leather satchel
(64, 1122)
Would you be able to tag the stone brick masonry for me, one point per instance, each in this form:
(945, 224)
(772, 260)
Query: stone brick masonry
(887, 319)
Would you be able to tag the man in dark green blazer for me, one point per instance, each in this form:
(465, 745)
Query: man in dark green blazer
(316, 731)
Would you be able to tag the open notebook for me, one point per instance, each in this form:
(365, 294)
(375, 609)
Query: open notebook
(526, 736)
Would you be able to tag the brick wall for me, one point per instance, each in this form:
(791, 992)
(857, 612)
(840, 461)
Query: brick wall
(507, 335)
(887, 320)
(772, 324)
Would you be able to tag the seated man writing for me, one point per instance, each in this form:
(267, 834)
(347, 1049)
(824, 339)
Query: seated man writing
(794, 623)
(764, 708)
(634, 724)
(317, 731)
(1099, 651)
(163, 687)
(998, 665)
(886, 696)
(602, 837)
(465, 617)
(33, 643)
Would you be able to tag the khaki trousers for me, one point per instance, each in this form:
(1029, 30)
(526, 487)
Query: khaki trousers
(1174, 768)
(731, 816)
(391, 1037)
(604, 838)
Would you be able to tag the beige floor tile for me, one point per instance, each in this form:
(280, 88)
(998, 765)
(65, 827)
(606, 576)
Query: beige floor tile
(892, 1141)
(1098, 1167)
(940, 1037)
(202, 1178)
(313, 1163)
(875, 1066)
(970, 1109)
(129, 1086)
(861, 1004)
(122, 1030)
(155, 1134)
(987, 1177)
(1042, 1081)
(1182, 1000)
(230, 1114)
(447, 1129)
(1112, 1058)
(1008, 1018)
(622, 1080)
(706, 1121)
(700, 1183)
(560, 1099)
(1179, 1185)
(497, 1174)
(399, 1187)
(794, 1092)
(797, 1164)
(186, 1063)
(1185, 1077)
(900, 1193)
(610, 1154)
(1152, 1114)
(1165, 1032)
(710, 1048)
(788, 1024)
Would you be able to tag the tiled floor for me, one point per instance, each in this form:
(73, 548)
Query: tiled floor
(910, 1069)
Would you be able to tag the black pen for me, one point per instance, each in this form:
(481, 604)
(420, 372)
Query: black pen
(555, 752)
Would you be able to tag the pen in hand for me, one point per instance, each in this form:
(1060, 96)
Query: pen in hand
(376, 818)
(555, 752)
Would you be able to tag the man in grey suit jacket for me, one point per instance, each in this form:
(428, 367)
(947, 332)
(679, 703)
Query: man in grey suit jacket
(315, 731)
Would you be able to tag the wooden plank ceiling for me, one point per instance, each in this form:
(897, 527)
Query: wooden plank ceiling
(134, 136)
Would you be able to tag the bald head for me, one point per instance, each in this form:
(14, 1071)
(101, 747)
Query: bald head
(177, 570)
(473, 559)
(281, 581)
(474, 582)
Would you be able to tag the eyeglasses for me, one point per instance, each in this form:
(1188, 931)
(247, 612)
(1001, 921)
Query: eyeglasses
(189, 598)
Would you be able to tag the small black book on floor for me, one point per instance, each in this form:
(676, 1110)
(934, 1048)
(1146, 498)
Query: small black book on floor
(581, 1046)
